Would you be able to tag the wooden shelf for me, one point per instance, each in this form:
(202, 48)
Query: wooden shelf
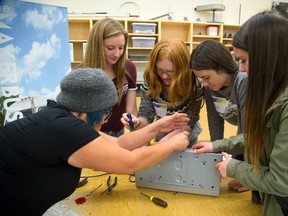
(140, 48)
(227, 39)
(142, 35)
(140, 62)
(192, 33)
(206, 36)
(180, 30)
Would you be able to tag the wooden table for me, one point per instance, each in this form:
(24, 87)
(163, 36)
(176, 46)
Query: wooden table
(125, 199)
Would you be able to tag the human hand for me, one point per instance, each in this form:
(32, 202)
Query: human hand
(222, 166)
(180, 141)
(175, 121)
(237, 186)
(171, 134)
(125, 120)
(202, 147)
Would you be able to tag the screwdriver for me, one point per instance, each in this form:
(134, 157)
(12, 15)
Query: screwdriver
(130, 122)
(156, 200)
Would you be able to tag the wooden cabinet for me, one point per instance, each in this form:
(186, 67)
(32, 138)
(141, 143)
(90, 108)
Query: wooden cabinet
(191, 33)
(200, 33)
(139, 54)
(228, 33)
(79, 29)
(182, 30)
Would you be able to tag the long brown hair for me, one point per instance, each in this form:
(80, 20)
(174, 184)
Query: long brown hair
(264, 37)
(95, 57)
(211, 54)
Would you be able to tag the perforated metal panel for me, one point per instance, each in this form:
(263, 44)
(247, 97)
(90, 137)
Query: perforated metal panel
(184, 172)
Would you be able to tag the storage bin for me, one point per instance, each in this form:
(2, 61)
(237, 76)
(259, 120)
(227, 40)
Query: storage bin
(143, 41)
(144, 28)
(212, 30)
(138, 57)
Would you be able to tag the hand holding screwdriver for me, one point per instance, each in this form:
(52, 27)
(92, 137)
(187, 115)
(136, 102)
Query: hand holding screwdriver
(156, 200)
(131, 125)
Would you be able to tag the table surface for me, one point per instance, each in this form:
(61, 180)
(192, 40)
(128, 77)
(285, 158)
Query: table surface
(125, 199)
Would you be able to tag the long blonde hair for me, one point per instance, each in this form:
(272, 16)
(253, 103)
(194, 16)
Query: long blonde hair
(95, 56)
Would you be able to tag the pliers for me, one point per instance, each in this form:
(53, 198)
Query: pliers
(109, 186)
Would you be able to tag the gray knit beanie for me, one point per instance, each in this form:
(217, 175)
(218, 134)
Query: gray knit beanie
(87, 90)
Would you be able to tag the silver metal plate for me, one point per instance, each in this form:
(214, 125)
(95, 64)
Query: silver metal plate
(184, 172)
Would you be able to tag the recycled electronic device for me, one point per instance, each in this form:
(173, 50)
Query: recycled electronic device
(183, 172)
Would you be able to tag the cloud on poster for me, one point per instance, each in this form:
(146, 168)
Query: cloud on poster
(39, 56)
(45, 19)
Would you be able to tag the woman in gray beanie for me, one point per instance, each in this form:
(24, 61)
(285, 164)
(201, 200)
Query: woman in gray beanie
(41, 155)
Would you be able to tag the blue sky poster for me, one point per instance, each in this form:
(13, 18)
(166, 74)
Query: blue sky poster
(34, 48)
(39, 44)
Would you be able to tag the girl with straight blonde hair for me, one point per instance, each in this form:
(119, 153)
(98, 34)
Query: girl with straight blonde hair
(106, 49)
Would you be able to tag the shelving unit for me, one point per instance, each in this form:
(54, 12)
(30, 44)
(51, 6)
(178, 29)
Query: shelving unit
(200, 33)
(182, 30)
(228, 33)
(191, 33)
(139, 55)
(79, 29)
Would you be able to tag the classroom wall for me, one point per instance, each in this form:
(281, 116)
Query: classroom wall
(236, 11)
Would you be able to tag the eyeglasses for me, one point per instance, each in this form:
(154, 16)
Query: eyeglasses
(108, 114)
(160, 72)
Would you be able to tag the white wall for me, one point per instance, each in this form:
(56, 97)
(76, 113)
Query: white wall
(178, 9)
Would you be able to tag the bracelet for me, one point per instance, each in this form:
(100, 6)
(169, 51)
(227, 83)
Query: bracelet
(138, 124)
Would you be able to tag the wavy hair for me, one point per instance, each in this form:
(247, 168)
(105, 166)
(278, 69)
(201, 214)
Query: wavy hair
(183, 85)
(265, 37)
(95, 56)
